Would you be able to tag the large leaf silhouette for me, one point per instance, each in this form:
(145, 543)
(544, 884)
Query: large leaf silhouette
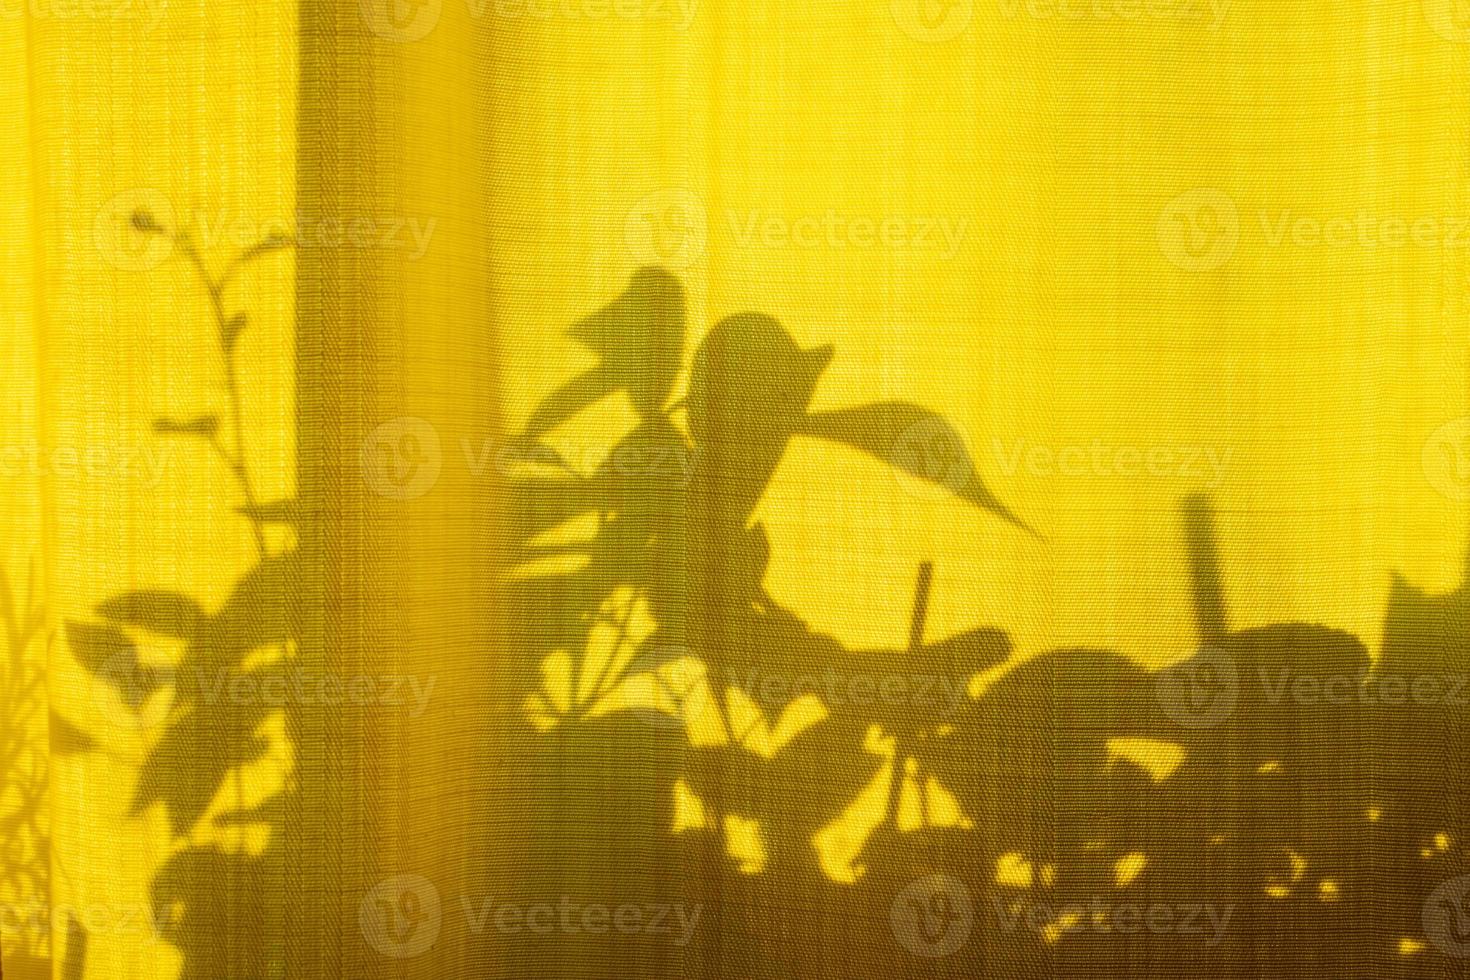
(157, 610)
(640, 339)
(915, 440)
(110, 655)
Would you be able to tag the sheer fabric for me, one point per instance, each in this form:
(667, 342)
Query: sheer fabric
(673, 487)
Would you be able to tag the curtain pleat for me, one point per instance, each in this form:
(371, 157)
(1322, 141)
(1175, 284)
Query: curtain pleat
(451, 449)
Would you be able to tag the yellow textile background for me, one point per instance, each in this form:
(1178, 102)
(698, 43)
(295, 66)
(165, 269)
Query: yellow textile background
(1121, 245)
(1056, 140)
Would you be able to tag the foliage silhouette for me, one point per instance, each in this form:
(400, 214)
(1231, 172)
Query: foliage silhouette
(208, 898)
(1318, 828)
(658, 767)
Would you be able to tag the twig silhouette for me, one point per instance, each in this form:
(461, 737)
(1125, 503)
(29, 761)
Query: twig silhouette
(229, 327)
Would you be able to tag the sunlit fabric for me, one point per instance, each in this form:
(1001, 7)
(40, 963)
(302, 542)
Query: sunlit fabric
(681, 488)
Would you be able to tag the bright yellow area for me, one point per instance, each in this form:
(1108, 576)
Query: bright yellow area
(186, 110)
(1132, 257)
(1098, 369)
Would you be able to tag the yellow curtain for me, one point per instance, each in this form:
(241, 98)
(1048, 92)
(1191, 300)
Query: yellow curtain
(401, 535)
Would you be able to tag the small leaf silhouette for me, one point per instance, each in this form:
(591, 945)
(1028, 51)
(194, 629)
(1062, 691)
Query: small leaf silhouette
(156, 610)
(271, 243)
(95, 645)
(915, 440)
(233, 328)
(640, 337)
(68, 739)
(107, 653)
(203, 425)
(972, 651)
(566, 401)
(274, 512)
(185, 768)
